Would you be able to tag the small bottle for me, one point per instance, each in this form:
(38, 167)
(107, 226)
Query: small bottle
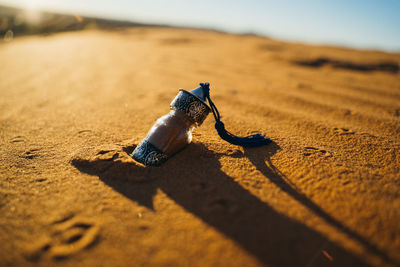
(173, 132)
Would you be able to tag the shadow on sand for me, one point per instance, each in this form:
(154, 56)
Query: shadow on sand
(263, 163)
(193, 179)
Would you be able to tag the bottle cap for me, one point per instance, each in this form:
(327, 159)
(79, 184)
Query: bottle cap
(199, 93)
(193, 104)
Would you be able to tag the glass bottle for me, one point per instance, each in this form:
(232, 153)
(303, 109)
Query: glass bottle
(173, 132)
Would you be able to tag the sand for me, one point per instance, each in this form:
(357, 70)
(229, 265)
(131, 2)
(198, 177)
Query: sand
(73, 106)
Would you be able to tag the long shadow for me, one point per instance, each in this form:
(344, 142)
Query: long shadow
(261, 158)
(193, 179)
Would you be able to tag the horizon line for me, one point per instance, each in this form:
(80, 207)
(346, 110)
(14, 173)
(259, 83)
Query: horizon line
(293, 40)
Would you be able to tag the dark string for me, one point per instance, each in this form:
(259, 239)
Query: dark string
(248, 141)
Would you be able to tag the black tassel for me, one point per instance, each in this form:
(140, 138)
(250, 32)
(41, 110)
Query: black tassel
(248, 141)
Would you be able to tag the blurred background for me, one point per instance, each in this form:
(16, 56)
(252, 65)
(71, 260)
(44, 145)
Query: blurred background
(364, 24)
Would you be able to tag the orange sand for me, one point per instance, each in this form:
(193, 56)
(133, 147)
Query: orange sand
(74, 105)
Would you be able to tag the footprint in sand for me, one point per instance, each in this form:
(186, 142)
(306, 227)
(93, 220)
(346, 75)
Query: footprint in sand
(17, 139)
(313, 151)
(221, 205)
(107, 155)
(82, 133)
(31, 154)
(69, 236)
(113, 162)
(343, 131)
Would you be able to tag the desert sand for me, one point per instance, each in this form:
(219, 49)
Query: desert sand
(74, 105)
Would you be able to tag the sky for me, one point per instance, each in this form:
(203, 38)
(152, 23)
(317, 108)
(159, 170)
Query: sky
(366, 24)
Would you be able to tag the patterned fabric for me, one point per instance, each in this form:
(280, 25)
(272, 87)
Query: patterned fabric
(149, 155)
(191, 106)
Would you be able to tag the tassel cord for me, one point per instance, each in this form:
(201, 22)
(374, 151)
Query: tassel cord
(206, 90)
(249, 141)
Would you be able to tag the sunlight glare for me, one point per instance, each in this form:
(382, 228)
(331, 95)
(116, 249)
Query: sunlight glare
(33, 4)
(32, 14)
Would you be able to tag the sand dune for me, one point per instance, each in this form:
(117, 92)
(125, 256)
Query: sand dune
(75, 105)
